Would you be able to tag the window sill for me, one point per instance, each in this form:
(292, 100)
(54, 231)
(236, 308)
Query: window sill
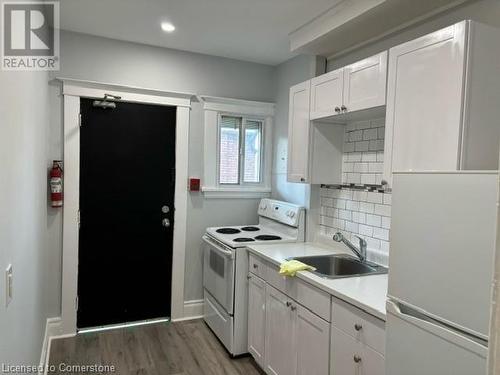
(235, 192)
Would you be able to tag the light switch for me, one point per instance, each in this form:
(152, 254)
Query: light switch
(8, 285)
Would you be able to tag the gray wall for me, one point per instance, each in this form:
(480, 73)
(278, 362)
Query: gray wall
(24, 128)
(485, 11)
(106, 60)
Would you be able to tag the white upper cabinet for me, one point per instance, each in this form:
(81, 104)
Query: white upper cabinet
(441, 111)
(326, 94)
(365, 83)
(356, 87)
(298, 132)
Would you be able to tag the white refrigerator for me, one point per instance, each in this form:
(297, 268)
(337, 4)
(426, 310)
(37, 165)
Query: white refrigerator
(443, 231)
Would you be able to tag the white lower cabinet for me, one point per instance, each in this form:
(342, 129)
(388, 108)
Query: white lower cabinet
(256, 318)
(280, 334)
(289, 329)
(313, 343)
(350, 357)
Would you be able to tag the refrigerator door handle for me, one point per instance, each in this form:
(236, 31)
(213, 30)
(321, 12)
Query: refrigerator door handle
(476, 345)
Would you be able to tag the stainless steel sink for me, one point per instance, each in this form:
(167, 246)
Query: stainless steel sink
(341, 265)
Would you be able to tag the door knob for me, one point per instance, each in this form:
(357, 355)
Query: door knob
(165, 209)
(165, 223)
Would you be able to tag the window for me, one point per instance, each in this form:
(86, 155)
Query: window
(240, 150)
(237, 149)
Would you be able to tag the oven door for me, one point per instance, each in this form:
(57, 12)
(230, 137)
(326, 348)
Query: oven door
(218, 272)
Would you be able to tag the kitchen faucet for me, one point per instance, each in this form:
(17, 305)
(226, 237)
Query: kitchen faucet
(360, 253)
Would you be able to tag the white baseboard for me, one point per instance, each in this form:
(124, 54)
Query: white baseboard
(53, 329)
(193, 309)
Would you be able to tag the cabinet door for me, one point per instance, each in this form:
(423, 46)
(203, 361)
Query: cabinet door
(280, 347)
(256, 318)
(352, 358)
(326, 94)
(313, 343)
(365, 83)
(298, 133)
(424, 102)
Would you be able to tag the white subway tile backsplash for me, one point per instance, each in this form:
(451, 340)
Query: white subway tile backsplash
(369, 156)
(374, 197)
(368, 179)
(344, 214)
(356, 136)
(376, 145)
(363, 145)
(365, 230)
(339, 203)
(382, 209)
(359, 212)
(381, 234)
(370, 134)
(386, 222)
(361, 167)
(349, 147)
(366, 207)
(351, 227)
(374, 220)
(359, 217)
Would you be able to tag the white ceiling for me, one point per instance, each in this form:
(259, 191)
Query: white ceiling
(251, 30)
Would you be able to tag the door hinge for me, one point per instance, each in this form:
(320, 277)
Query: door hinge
(80, 119)
(76, 303)
(78, 219)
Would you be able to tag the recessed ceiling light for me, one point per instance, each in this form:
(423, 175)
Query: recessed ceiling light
(167, 27)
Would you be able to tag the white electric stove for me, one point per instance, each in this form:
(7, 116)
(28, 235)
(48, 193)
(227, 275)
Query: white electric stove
(226, 267)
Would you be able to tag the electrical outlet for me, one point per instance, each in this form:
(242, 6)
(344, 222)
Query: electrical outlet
(8, 285)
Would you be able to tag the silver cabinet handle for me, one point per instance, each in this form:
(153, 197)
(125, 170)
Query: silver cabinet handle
(343, 108)
(302, 179)
(293, 307)
(358, 327)
(165, 223)
(288, 304)
(255, 266)
(357, 358)
(337, 109)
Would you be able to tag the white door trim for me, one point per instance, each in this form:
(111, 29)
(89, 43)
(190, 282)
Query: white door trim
(73, 90)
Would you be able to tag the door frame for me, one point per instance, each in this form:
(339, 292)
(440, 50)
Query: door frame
(72, 91)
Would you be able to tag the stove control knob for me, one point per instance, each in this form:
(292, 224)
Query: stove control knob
(292, 214)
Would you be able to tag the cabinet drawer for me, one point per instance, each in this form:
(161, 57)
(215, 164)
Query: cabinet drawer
(363, 327)
(350, 357)
(307, 295)
(257, 266)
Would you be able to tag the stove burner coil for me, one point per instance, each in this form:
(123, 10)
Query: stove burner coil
(228, 231)
(267, 237)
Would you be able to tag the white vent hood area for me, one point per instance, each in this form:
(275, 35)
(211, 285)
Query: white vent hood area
(351, 24)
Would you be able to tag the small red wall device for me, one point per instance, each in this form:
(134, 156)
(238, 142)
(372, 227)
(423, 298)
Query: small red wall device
(194, 184)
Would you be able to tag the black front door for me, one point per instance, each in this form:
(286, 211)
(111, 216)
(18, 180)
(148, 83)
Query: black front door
(127, 185)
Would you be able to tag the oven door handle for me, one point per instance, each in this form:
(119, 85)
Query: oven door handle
(218, 247)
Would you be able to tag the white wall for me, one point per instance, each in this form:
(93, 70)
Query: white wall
(24, 215)
(106, 60)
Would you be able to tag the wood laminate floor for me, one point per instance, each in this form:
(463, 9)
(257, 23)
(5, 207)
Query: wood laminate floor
(161, 349)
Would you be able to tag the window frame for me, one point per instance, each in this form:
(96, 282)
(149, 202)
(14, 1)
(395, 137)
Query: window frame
(213, 108)
(241, 150)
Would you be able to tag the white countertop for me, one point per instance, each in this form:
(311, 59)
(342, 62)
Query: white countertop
(366, 292)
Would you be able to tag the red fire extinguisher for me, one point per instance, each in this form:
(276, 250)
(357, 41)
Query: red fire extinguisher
(56, 184)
